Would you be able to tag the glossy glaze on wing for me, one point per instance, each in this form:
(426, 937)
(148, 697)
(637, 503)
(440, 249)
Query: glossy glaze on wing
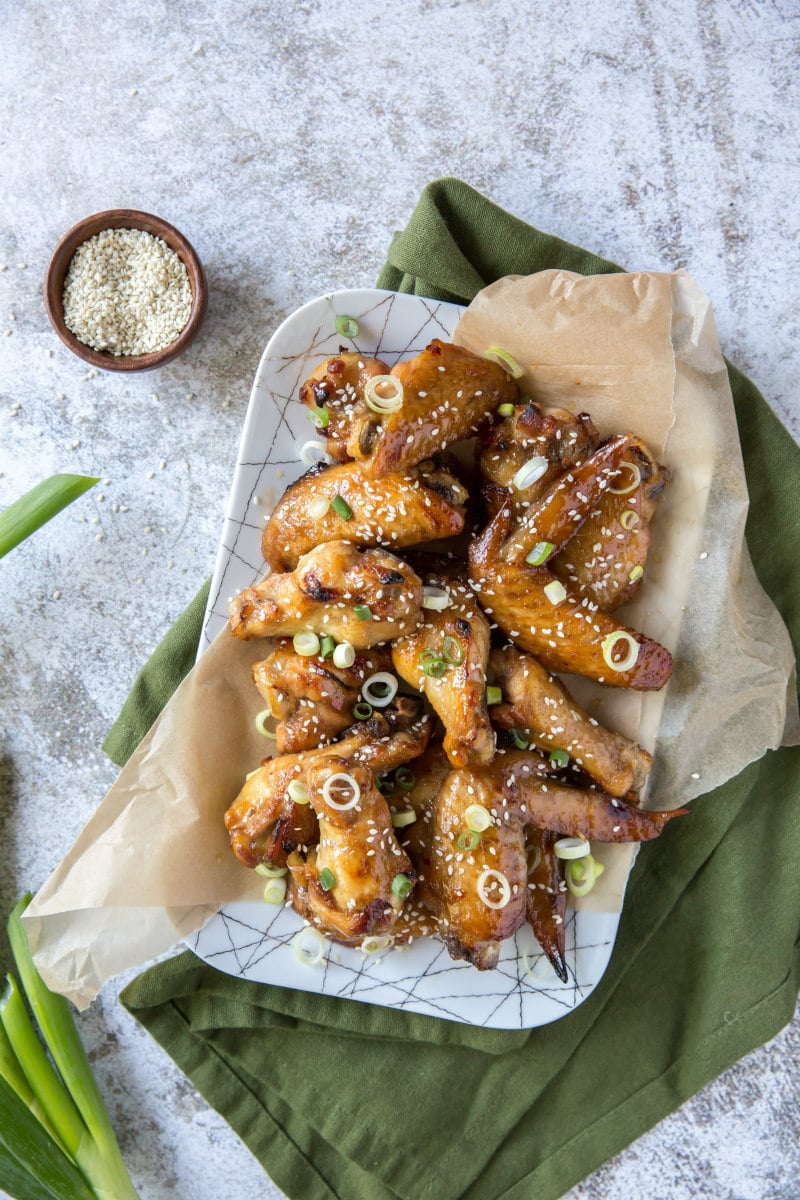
(337, 386)
(546, 898)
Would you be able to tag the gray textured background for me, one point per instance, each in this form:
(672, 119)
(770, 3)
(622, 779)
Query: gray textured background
(288, 141)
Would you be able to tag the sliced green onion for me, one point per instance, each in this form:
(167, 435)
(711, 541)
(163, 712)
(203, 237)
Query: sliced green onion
(327, 647)
(38, 506)
(319, 507)
(306, 644)
(405, 779)
(506, 410)
(270, 872)
(610, 641)
(435, 598)
(494, 695)
(375, 944)
(320, 417)
(636, 479)
(346, 326)
(383, 394)
(468, 840)
(629, 518)
(497, 354)
(530, 472)
(341, 507)
(401, 886)
(429, 655)
(540, 553)
(342, 780)
(264, 715)
(250, 774)
(582, 874)
(298, 793)
(478, 818)
(327, 879)
(494, 879)
(384, 785)
(636, 573)
(559, 758)
(401, 819)
(520, 739)
(275, 891)
(344, 656)
(555, 591)
(571, 847)
(380, 689)
(363, 612)
(452, 651)
(313, 452)
(362, 711)
(435, 668)
(308, 946)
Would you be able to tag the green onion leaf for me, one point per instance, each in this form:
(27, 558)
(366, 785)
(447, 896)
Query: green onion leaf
(405, 778)
(363, 612)
(468, 840)
(362, 711)
(346, 326)
(559, 758)
(327, 647)
(327, 879)
(32, 1164)
(539, 554)
(38, 506)
(320, 417)
(452, 652)
(341, 507)
(494, 695)
(520, 739)
(401, 886)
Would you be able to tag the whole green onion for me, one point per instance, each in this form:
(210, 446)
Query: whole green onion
(38, 506)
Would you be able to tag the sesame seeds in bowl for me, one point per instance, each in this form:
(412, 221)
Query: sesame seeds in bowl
(125, 291)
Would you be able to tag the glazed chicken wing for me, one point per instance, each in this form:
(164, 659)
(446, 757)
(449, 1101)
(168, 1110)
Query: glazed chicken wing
(446, 661)
(423, 503)
(566, 633)
(359, 596)
(310, 696)
(605, 559)
(553, 435)
(344, 884)
(536, 702)
(546, 898)
(336, 388)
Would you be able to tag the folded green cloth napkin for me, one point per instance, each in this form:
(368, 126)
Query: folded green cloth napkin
(340, 1099)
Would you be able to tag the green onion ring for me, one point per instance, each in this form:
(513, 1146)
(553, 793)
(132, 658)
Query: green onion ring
(346, 326)
(452, 651)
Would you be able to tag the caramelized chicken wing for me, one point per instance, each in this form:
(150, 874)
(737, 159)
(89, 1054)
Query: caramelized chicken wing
(446, 661)
(359, 596)
(337, 387)
(446, 392)
(531, 432)
(424, 503)
(605, 560)
(265, 824)
(310, 696)
(537, 703)
(344, 884)
(566, 633)
(546, 898)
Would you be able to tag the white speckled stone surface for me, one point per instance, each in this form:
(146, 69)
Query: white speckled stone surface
(288, 141)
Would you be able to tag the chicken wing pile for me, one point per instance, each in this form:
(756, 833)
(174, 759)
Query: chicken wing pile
(433, 776)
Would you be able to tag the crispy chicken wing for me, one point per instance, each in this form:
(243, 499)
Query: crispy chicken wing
(337, 386)
(458, 638)
(310, 696)
(265, 824)
(531, 432)
(605, 559)
(344, 884)
(546, 898)
(536, 702)
(565, 633)
(423, 503)
(359, 596)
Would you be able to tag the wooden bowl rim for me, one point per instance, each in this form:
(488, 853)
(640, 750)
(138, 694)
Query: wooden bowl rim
(124, 218)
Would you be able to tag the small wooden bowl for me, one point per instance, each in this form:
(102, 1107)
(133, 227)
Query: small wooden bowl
(124, 218)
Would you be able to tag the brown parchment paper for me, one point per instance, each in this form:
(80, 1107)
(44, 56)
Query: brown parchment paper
(639, 352)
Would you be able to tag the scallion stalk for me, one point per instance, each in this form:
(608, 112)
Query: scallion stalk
(38, 506)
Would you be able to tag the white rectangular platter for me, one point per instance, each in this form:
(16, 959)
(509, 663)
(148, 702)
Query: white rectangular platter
(254, 940)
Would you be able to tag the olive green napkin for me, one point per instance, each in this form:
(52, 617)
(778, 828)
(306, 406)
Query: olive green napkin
(340, 1099)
